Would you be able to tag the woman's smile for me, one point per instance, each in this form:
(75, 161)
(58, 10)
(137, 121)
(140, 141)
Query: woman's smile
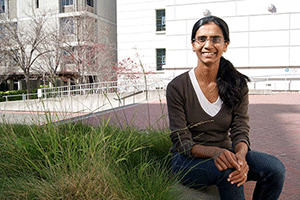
(207, 54)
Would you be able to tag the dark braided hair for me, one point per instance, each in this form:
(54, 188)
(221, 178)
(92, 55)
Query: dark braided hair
(230, 81)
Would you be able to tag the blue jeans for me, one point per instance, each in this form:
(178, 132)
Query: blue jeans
(266, 169)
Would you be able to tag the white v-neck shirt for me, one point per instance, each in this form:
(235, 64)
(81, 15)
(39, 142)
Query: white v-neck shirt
(212, 109)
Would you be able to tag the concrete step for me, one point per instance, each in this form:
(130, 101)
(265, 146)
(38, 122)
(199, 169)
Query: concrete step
(185, 193)
(260, 91)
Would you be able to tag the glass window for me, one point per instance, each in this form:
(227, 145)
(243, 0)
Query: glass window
(67, 2)
(2, 30)
(2, 6)
(67, 26)
(90, 3)
(160, 58)
(160, 20)
(37, 3)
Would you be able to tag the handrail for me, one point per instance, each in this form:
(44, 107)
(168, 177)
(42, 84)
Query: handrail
(24, 96)
(130, 95)
(121, 87)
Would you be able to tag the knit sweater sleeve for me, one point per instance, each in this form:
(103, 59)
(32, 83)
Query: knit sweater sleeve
(180, 135)
(239, 130)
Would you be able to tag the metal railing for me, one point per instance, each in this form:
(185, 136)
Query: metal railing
(280, 82)
(286, 82)
(22, 97)
(122, 88)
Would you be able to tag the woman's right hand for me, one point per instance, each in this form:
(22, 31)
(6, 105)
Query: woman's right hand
(226, 159)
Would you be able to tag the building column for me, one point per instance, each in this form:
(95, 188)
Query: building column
(10, 84)
(20, 85)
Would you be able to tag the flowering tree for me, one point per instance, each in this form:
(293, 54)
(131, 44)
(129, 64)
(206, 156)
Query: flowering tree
(131, 69)
(49, 63)
(132, 74)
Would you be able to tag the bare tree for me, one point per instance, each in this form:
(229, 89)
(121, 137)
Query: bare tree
(87, 48)
(23, 41)
(49, 63)
(76, 34)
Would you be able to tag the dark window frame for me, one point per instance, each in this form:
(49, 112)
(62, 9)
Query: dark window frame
(2, 6)
(90, 3)
(160, 20)
(67, 2)
(160, 58)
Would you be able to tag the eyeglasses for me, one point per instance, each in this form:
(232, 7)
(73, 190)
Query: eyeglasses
(202, 40)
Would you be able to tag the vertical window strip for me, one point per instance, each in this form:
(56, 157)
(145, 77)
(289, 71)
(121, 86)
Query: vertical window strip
(160, 20)
(2, 6)
(67, 2)
(160, 58)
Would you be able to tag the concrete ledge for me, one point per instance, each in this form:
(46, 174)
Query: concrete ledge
(260, 91)
(185, 193)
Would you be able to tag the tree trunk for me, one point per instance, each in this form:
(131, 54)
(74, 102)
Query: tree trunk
(27, 85)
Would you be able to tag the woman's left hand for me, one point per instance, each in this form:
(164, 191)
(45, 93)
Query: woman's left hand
(239, 177)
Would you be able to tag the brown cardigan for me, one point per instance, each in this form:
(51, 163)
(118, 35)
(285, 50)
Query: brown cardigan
(190, 124)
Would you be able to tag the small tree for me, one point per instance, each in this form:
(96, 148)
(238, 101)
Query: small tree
(132, 68)
(50, 63)
(87, 48)
(76, 33)
(132, 72)
(23, 41)
(100, 61)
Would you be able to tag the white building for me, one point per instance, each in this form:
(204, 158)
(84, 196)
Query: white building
(62, 14)
(264, 36)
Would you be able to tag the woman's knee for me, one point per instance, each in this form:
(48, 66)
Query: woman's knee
(266, 164)
(224, 175)
(278, 169)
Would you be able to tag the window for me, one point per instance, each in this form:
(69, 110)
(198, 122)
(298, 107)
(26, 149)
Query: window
(67, 26)
(2, 6)
(160, 20)
(160, 58)
(90, 3)
(67, 2)
(37, 3)
(2, 31)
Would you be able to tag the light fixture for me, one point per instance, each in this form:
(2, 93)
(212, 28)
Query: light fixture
(272, 8)
(206, 12)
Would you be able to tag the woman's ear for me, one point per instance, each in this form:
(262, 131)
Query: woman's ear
(194, 49)
(226, 46)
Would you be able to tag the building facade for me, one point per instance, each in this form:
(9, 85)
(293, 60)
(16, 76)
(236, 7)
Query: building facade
(264, 37)
(85, 29)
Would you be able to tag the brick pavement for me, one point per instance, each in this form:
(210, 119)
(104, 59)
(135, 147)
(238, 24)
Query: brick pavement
(275, 129)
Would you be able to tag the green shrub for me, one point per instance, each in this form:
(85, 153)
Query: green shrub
(15, 92)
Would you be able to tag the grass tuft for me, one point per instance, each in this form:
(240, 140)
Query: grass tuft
(76, 161)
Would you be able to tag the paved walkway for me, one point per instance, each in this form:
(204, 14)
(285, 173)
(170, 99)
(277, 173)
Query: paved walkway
(275, 129)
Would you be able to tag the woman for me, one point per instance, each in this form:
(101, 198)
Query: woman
(208, 113)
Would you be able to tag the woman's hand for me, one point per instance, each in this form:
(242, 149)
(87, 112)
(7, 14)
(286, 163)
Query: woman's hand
(239, 177)
(226, 159)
